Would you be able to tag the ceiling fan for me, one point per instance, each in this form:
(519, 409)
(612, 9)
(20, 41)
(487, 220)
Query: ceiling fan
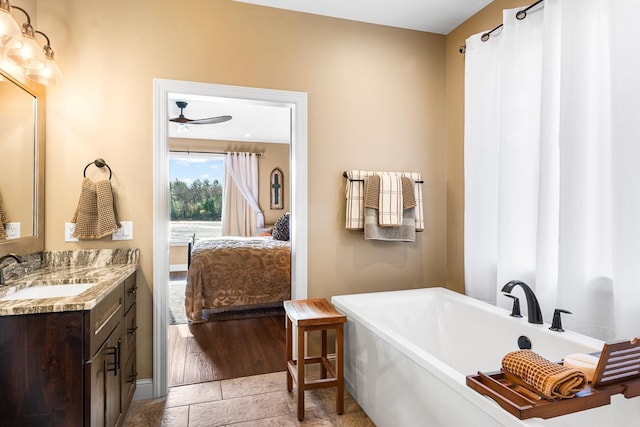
(183, 120)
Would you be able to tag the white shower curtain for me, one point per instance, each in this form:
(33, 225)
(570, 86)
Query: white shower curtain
(241, 212)
(552, 157)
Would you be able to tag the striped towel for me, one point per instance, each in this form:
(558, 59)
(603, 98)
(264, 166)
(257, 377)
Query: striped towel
(355, 199)
(390, 204)
(372, 192)
(416, 179)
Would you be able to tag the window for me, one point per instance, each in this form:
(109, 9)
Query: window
(195, 188)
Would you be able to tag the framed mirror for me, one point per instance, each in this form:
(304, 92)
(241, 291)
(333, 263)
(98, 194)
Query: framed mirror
(21, 165)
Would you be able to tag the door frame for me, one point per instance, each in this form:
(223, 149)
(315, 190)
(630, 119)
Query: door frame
(297, 102)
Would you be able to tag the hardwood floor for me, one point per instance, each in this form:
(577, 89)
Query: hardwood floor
(226, 349)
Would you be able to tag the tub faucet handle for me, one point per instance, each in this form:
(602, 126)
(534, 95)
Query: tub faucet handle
(556, 324)
(515, 310)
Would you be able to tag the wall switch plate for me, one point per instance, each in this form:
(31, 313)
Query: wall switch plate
(125, 232)
(12, 229)
(69, 228)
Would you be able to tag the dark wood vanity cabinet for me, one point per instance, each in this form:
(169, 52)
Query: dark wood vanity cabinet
(71, 368)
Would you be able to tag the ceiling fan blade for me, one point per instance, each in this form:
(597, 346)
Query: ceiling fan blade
(180, 119)
(210, 120)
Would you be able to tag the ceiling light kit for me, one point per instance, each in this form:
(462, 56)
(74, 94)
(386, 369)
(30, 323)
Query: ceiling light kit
(20, 50)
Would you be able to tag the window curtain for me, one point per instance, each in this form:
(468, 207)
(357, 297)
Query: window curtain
(552, 163)
(241, 212)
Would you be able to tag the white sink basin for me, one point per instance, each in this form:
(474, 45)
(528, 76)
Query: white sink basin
(49, 291)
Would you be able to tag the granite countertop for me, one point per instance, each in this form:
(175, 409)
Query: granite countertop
(106, 276)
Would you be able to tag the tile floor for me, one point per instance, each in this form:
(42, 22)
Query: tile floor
(256, 401)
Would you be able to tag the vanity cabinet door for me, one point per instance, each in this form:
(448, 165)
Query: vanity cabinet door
(41, 369)
(104, 375)
(129, 373)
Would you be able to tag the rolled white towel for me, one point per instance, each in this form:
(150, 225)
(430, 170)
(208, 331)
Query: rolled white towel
(586, 363)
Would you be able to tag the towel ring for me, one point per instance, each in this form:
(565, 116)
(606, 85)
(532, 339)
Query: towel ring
(100, 163)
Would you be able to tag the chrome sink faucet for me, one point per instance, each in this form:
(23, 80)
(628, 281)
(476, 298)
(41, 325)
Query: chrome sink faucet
(17, 258)
(533, 307)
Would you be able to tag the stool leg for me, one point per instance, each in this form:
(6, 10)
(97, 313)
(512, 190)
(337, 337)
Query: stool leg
(301, 379)
(289, 351)
(339, 369)
(323, 370)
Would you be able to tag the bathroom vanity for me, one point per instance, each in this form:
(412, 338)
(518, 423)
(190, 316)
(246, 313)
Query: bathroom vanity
(69, 360)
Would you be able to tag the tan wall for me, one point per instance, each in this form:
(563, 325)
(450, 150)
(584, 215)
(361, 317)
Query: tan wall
(485, 20)
(376, 100)
(274, 155)
(178, 254)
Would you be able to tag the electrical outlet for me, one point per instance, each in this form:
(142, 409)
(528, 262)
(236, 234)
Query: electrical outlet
(12, 229)
(69, 228)
(125, 232)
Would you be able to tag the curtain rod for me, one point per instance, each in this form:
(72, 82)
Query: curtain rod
(520, 15)
(212, 152)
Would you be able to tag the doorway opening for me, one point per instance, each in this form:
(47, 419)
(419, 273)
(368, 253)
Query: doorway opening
(297, 103)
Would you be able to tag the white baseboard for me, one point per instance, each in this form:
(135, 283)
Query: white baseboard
(144, 389)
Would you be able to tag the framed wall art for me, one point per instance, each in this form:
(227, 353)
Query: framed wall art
(277, 189)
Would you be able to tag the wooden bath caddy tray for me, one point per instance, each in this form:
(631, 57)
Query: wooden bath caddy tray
(618, 371)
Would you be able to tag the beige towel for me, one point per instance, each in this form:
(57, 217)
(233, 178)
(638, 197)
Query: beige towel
(408, 194)
(3, 220)
(552, 380)
(96, 215)
(372, 192)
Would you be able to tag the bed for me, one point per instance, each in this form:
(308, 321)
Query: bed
(236, 273)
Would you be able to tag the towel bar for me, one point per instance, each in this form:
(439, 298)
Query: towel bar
(344, 174)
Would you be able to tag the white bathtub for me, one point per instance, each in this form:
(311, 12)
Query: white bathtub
(407, 355)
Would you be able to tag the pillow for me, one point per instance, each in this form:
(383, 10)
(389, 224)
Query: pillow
(281, 228)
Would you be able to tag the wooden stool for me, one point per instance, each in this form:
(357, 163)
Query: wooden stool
(314, 315)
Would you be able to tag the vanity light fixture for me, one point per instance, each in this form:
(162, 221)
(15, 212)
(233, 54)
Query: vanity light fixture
(9, 29)
(49, 73)
(24, 51)
(27, 52)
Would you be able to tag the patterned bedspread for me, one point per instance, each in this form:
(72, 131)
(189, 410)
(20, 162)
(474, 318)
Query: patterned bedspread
(237, 272)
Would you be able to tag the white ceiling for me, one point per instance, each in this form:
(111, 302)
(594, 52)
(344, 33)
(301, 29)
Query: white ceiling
(251, 121)
(258, 122)
(434, 16)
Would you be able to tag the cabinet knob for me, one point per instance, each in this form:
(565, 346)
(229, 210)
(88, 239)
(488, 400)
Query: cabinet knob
(132, 290)
(132, 331)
